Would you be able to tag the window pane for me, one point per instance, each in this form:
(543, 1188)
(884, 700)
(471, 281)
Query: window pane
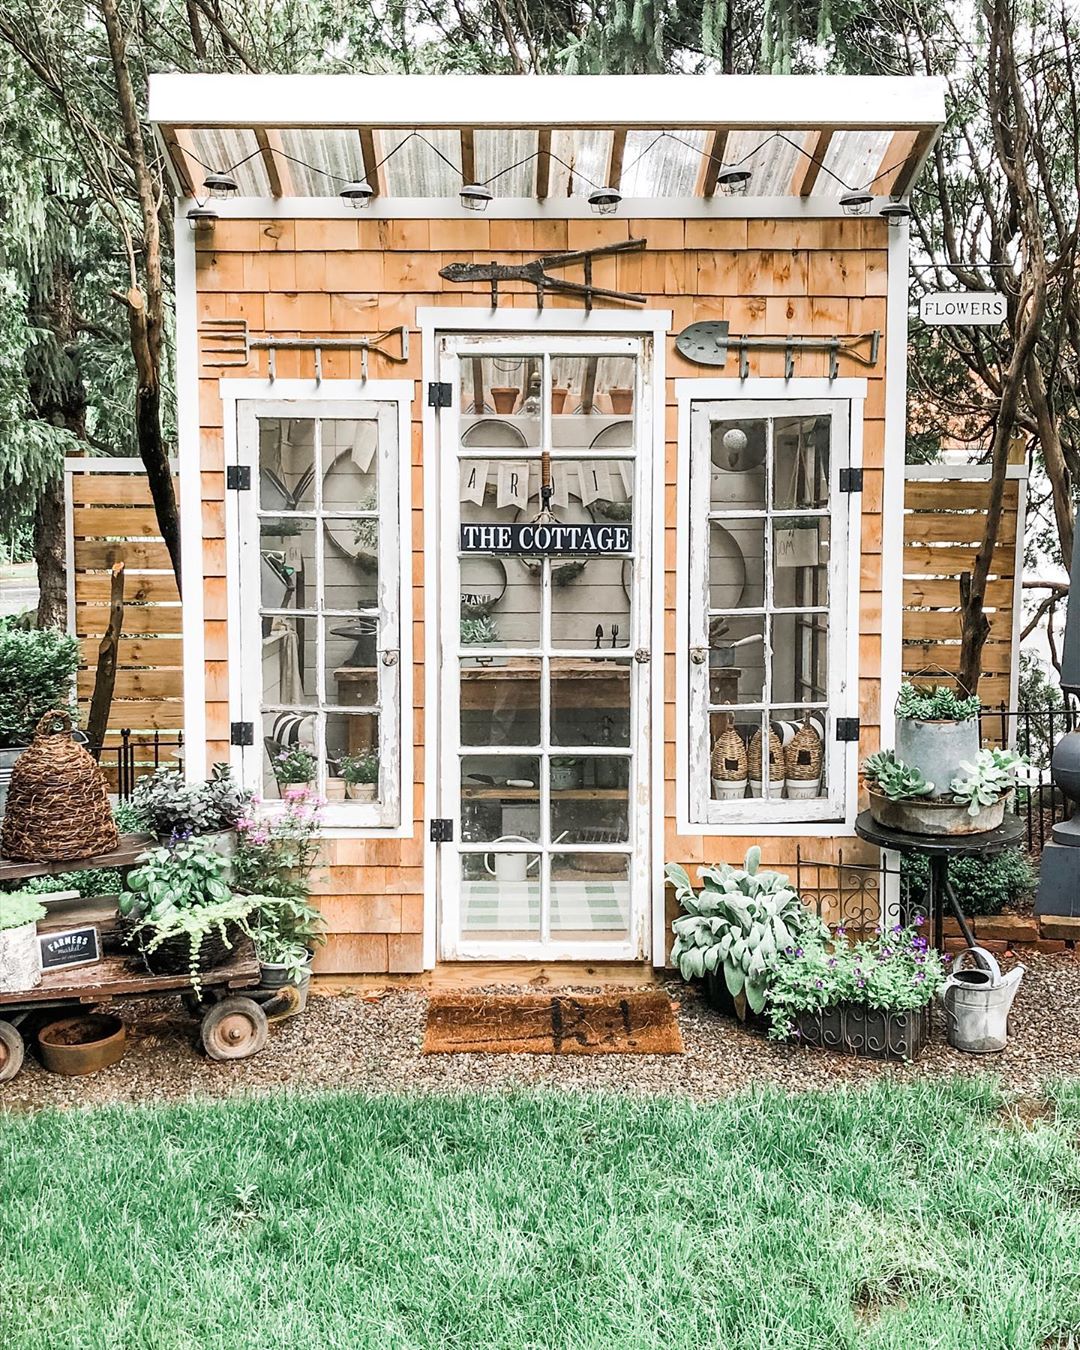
(350, 564)
(350, 464)
(286, 463)
(800, 561)
(804, 735)
(289, 751)
(590, 895)
(590, 603)
(352, 757)
(500, 894)
(801, 474)
(737, 564)
(288, 571)
(800, 658)
(591, 386)
(500, 704)
(351, 661)
(737, 451)
(590, 702)
(288, 662)
(736, 659)
(500, 798)
(597, 812)
(500, 400)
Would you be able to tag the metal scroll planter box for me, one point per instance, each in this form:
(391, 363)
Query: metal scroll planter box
(923, 815)
(720, 999)
(853, 1029)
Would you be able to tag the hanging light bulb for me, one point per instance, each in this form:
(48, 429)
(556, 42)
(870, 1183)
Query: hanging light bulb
(201, 218)
(475, 196)
(896, 213)
(857, 203)
(358, 194)
(605, 200)
(733, 182)
(220, 185)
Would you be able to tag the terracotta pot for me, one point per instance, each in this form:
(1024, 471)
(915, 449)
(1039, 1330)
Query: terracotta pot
(558, 399)
(505, 399)
(622, 400)
(80, 1045)
(361, 792)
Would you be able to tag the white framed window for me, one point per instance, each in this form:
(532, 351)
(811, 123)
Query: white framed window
(318, 508)
(771, 628)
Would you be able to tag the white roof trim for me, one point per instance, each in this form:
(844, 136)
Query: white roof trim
(792, 102)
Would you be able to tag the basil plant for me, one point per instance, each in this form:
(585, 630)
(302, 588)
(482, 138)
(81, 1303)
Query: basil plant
(740, 920)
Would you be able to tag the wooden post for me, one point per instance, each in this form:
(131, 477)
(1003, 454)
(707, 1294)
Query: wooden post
(108, 655)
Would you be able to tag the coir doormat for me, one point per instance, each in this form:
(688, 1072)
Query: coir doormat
(552, 1024)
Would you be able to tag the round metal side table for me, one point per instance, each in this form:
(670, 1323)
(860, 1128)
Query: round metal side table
(939, 850)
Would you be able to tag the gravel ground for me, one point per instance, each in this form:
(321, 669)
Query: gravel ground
(371, 1043)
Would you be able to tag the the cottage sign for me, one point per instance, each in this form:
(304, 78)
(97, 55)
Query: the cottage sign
(962, 308)
(547, 539)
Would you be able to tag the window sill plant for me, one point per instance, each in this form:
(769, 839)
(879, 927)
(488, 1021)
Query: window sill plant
(361, 775)
(294, 768)
(733, 930)
(20, 956)
(859, 998)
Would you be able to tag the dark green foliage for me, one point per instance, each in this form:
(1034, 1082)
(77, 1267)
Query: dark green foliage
(37, 673)
(92, 881)
(982, 885)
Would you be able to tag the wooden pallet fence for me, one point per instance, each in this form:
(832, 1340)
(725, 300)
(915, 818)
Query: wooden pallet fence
(110, 518)
(944, 522)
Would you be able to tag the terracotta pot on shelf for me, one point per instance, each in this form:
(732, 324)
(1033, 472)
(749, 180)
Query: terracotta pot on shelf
(505, 399)
(622, 400)
(558, 399)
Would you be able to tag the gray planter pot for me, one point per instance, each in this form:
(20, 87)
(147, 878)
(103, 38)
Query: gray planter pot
(923, 815)
(937, 748)
(274, 977)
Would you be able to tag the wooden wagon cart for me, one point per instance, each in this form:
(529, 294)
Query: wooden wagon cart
(234, 1014)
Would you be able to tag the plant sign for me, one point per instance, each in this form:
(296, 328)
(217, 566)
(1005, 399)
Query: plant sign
(73, 947)
(962, 308)
(540, 540)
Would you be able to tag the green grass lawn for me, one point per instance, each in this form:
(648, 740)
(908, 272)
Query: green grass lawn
(891, 1216)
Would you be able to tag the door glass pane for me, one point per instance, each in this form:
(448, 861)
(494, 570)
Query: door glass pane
(737, 563)
(738, 451)
(801, 475)
(351, 662)
(804, 734)
(500, 798)
(500, 400)
(350, 564)
(800, 561)
(598, 812)
(352, 757)
(500, 704)
(500, 895)
(590, 895)
(800, 658)
(736, 659)
(350, 465)
(591, 387)
(286, 463)
(289, 661)
(287, 569)
(590, 604)
(290, 746)
(590, 701)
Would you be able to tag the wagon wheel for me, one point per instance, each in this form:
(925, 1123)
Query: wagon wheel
(235, 1028)
(12, 1052)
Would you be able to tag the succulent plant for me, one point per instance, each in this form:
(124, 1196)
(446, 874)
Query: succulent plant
(993, 774)
(895, 779)
(940, 704)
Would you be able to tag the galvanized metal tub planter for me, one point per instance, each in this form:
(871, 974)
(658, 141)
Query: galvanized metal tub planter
(937, 748)
(854, 1029)
(927, 815)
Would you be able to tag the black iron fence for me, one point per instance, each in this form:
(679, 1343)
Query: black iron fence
(126, 756)
(1034, 732)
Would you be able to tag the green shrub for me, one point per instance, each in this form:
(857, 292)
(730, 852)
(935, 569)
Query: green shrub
(93, 881)
(37, 673)
(982, 885)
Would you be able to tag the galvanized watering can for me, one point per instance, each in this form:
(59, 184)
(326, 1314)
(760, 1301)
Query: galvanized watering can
(977, 1002)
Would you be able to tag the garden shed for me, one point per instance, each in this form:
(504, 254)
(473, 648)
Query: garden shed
(542, 480)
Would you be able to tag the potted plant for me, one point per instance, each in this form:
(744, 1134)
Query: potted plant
(294, 766)
(870, 997)
(181, 915)
(37, 674)
(174, 809)
(902, 799)
(286, 930)
(480, 631)
(20, 956)
(361, 775)
(936, 730)
(732, 931)
(504, 397)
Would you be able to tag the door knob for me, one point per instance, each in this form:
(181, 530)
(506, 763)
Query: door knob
(390, 656)
(699, 655)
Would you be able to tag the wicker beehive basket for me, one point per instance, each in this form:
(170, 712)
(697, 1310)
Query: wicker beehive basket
(776, 757)
(803, 754)
(729, 755)
(57, 803)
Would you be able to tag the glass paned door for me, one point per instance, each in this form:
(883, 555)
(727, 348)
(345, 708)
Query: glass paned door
(545, 659)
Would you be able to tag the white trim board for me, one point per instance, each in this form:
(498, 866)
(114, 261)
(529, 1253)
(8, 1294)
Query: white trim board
(688, 101)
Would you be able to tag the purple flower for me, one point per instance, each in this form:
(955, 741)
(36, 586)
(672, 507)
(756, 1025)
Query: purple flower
(860, 982)
(832, 960)
(897, 928)
(798, 951)
(820, 984)
(840, 930)
(920, 974)
(919, 920)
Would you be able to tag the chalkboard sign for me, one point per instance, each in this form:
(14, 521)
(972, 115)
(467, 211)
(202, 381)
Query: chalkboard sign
(547, 540)
(73, 947)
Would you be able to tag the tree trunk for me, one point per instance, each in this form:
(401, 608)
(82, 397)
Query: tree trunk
(49, 554)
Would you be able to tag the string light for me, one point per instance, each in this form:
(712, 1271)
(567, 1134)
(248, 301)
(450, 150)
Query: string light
(475, 196)
(856, 203)
(201, 218)
(358, 194)
(605, 201)
(221, 185)
(896, 213)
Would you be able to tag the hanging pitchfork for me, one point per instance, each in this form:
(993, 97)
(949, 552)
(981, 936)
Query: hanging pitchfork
(230, 339)
(535, 273)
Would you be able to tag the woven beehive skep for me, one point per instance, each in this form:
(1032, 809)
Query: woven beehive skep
(729, 754)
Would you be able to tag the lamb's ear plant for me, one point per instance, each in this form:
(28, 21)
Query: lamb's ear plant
(738, 922)
(895, 779)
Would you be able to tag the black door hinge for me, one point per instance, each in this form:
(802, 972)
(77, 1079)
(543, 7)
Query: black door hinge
(442, 831)
(238, 477)
(439, 394)
(847, 728)
(242, 733)
(851, 480)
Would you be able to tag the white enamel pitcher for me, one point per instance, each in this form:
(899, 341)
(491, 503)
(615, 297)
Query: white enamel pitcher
(977, 1000)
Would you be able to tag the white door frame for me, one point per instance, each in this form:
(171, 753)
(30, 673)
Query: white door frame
(446, 781)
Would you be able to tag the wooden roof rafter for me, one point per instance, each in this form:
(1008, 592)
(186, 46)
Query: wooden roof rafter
(712, 163)
(372, 168)
(809, 164)
(274, 160)
(902, 161)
